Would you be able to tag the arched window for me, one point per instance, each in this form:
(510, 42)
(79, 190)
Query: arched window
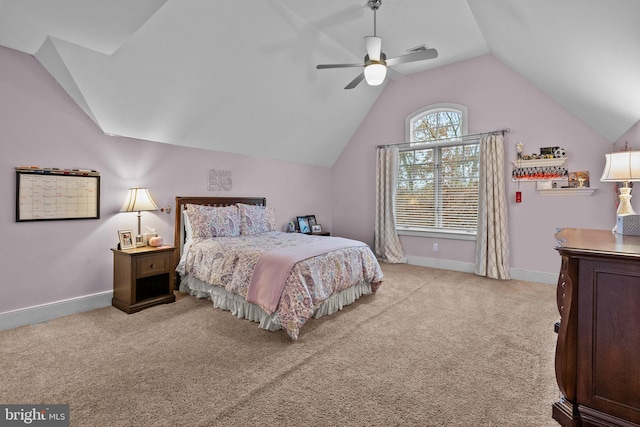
(439, 121)
(438, 173)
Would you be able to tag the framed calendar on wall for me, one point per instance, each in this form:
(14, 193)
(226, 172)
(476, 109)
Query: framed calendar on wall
(55, 194)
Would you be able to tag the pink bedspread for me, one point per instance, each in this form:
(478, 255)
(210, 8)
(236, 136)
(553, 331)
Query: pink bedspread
(273, 268)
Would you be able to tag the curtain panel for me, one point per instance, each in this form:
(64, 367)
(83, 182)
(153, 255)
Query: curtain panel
(387, 244)
(492, 244)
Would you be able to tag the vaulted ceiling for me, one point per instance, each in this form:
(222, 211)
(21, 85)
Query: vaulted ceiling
(239, 76)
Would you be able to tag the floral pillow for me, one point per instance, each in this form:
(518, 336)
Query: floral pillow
(256, 219)
(208, 221)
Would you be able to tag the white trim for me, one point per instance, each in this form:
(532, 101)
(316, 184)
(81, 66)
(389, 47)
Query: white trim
(49, 311)
(453, 235)
(465, 267)
(534, 276)
(442, 264)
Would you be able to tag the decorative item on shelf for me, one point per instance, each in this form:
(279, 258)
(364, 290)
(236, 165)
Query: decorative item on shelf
(579, 179)
(623, 166)
(539, 173)
(138, 200)
(519, 148)
(559, 153)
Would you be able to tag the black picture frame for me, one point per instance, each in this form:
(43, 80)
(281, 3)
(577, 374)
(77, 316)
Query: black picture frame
(311, 219)
(303, 225)
(56, 194)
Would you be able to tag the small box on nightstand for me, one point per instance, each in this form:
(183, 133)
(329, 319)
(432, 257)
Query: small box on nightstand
(628, 224)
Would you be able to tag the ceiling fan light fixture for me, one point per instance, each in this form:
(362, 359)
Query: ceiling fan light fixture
(375, 73)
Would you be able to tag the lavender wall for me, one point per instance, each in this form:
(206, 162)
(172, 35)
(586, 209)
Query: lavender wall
(632, 136)
(47, 262)
(496, 98)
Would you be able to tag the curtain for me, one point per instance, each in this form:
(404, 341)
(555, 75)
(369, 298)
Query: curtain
(386, 240)
(492, 244)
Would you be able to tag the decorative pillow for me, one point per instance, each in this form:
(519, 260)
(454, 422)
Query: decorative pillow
(256, 219)
(208, 221)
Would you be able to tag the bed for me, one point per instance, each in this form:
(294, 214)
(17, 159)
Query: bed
(279, 280)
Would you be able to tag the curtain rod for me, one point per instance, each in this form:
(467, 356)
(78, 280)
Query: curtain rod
(493, 132)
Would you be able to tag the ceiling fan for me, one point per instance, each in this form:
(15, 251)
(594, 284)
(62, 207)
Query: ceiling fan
(375, 61)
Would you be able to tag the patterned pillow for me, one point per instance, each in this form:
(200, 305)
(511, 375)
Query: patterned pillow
(256, 219)
(208, 221)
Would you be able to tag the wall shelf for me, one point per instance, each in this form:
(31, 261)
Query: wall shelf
(539, 162)
(576, 191)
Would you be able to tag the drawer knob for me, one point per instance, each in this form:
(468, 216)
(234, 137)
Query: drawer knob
(153, 265)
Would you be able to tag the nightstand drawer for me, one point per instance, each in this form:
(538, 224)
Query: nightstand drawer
(150, 265)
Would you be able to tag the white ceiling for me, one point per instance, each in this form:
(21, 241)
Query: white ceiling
(239, 76)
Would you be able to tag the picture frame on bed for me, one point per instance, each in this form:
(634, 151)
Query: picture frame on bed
(303, 225)
(126, 240)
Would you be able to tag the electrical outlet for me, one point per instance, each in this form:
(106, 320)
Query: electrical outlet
(435, 247)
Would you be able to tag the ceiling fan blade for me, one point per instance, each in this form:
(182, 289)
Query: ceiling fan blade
(374, 47)
(412, 57)
(323, 66)
(355, 81)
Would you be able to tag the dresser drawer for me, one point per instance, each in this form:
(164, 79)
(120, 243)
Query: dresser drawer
(151, 265)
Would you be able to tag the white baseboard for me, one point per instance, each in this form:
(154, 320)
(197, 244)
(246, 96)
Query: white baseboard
(535, 276)
(441, 264)
(466, 267)
(45, 312)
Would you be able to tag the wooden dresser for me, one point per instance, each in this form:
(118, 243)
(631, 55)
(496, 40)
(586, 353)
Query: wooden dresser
(598, 349)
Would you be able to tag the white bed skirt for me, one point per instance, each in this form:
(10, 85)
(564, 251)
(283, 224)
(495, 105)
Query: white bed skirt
(242, 309)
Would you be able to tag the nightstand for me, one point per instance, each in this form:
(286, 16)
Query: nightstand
(142, 277)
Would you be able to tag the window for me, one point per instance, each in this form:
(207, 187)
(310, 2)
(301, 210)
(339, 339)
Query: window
(438, 173)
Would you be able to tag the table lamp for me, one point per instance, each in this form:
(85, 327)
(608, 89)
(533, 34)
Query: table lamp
(138, 200)
(623, 166)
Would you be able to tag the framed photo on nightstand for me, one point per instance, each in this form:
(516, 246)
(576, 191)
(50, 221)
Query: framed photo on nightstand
(317, 228)
(126, 239)
(303, 224)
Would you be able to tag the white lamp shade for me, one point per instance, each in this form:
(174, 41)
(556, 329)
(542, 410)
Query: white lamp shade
(139, 199)
(622, 166)
(375, 73)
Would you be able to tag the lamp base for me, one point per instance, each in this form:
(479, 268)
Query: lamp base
(625, 208)
(139, 238)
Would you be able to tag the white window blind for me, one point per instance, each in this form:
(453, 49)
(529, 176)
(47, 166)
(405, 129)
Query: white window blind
(437, 186)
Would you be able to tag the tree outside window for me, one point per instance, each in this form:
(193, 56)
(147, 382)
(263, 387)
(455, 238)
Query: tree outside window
(438, 173)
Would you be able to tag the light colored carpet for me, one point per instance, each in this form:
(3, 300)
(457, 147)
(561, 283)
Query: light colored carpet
(431, 348)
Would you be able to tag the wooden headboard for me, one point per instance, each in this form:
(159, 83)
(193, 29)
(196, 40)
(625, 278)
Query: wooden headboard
(182, 201)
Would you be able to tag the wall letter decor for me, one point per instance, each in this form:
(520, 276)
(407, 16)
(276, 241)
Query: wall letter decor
(219, 180)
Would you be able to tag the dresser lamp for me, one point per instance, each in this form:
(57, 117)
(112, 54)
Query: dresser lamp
(623, 166)
(138, 200)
